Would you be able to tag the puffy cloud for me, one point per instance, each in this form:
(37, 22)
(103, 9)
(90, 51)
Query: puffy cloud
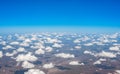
(27, 64)
(114, 48)
(64, 55)
(77, 47)
(14, 43)
(7, 47)
(98, 43)
(48, 49)
(48, 66)
(97, 62)
(11, 54)
(114, 35)
(56, 45)
(117, 71)
(26, 57)
(88, 44)
(39, 51)
(85, 38)
(38, 45)
(21, 37)
(89, 52)
(2, 42)
(76, 41)
(75, 63)
(34, 71)
(27, 40)
(21, 49)
(25, 44)
(1, 54)
(106, 54)
(49, 40)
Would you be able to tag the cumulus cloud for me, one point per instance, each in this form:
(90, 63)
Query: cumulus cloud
(85, 38)
(99, 61)
(48, 49)
(14, 43)
(24, 44)
(98, 43)
(106, 54)
(114, 35)
(65, 55)
(21, 49)
(1, 54)
(77, 47)
(48, 66)
(26, 57)
(76, 41)
(88, 44)
(2, 42)
(21, 38)
(75, 63)
(39, 51)
(34, 71)
(50, 40)
(114, 48)
(117, 71)
(56, 45)
(11, 54)
(7, 47)
(27, 40)
(27, 64)
(89, 52)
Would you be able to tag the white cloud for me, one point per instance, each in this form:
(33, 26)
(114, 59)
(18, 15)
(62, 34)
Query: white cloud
(56, 45)
(27, 40)
(77, 47)
(74, 63)
(26, 57)
(76, 41)
(34, 71)
(3, 42)
(88, 44)
(106, 54)
(50, 40)
(21, 38)
(25, 44)
(27, 64)
(11, 54)
(89, 52)
(117, 71)
(114, 48)
(21, 49)
(48, 49)
(14, 43)
(99, 43)
(85, 38)
(48, 66)
(1, 54)
(114, 35)
(65, 55)
(7, 47)
(39, 51)
(97, 62)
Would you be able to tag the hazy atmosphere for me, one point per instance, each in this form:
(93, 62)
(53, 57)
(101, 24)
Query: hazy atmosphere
(59, 36)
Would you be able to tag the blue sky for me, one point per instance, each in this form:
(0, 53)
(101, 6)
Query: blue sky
(59, 15)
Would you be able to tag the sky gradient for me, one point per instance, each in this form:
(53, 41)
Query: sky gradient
(59, 14)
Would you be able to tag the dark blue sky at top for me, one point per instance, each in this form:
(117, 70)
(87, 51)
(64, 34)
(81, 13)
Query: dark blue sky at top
(60, 13)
